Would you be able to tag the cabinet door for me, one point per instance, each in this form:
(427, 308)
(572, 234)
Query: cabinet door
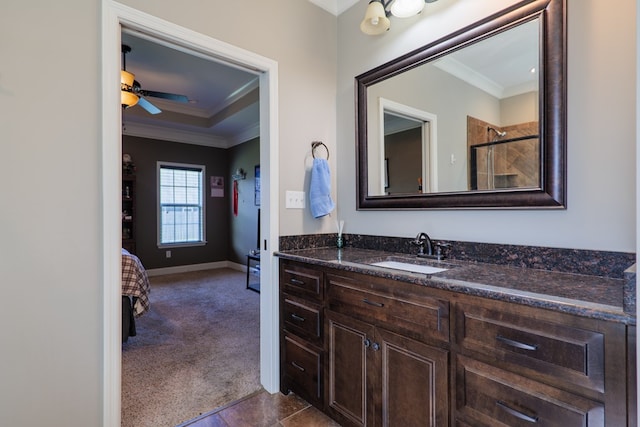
(351, 370)
(414, 382)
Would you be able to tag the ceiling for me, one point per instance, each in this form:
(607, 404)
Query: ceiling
(335, 6)
(223, 107)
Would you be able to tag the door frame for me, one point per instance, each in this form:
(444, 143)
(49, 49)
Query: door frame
(429, 139)
(114, 16)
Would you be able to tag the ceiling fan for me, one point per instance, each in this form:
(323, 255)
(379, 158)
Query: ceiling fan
(131, 92)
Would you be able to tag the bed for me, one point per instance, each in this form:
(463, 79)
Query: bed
(135, 293)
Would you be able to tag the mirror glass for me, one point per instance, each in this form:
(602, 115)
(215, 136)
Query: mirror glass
(477, 98)
(473, 120)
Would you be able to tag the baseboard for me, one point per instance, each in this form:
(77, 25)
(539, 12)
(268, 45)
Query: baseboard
(236, 266)
(192, 267)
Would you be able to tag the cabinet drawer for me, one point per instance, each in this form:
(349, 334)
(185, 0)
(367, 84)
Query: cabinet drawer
(488, 396)
(417, 316)
(302, 365)
(557, 352)
(302, 317)
(300, 280)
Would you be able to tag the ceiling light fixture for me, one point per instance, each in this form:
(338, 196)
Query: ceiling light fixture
(406, 8)
(376, 19)
(127, 97)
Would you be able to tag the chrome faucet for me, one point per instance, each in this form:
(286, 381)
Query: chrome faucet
(427, 249)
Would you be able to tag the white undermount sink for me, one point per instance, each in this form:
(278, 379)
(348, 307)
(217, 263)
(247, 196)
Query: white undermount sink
(415, 268)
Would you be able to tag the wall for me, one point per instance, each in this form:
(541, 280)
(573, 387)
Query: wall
(244, 226)
(439, 94)
(228, 237)
(601, 130)
(50, 108)
(50, 218)
(145, 154)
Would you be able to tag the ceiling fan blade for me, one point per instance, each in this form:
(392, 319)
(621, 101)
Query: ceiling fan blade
(151, 109)
(165, 95)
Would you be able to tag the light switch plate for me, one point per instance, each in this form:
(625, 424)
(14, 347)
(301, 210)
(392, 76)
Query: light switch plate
(294, 200)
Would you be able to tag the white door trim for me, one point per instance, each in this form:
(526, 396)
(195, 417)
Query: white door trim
(429, 140)
(115, 15)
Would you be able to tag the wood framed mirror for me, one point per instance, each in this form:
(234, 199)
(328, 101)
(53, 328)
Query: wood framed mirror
(475, 120)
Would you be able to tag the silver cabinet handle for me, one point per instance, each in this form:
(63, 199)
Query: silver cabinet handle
(295, 365)
(375, 346)
(366, 343)
(296, 281)
(515, 412)
(373, 303)
(517, 344)
(296, 317)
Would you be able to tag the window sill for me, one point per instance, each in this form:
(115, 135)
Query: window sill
(180, 245)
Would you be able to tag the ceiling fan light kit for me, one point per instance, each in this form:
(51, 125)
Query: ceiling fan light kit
(376, 20)
(131, 93)
(127, 97)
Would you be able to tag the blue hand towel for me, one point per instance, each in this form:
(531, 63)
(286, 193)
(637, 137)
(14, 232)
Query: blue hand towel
(320, 189)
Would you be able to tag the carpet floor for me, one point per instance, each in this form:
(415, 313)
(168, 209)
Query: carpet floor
(195, 350)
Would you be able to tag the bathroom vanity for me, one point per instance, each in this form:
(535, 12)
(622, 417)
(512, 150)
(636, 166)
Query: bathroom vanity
(468, 344)
(472, 345)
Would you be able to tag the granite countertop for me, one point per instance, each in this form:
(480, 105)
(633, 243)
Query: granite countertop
(577, 294)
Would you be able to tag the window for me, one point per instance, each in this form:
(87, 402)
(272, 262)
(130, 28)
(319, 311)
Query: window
(181, 204)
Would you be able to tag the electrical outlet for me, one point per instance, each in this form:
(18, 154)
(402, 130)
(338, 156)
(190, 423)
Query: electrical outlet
(168, 254)
(295, 200)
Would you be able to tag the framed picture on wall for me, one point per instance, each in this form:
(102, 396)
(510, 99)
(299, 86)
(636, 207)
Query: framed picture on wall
(217, 186)
(257, 195)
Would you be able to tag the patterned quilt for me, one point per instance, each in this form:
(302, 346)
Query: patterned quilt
(135, 282)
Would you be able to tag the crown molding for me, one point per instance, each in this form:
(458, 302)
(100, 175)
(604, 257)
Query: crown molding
(464, 73)
(245, 135)
(173, 135)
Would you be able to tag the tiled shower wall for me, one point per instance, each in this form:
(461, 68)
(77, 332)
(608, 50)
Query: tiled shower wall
(516, 164)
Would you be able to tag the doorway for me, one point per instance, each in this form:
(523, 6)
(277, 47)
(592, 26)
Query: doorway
(116, 16)
(411, 135)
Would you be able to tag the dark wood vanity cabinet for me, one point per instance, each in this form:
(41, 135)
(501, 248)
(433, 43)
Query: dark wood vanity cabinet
(488, 396)
(518, 365)
(302, 352)
(379, 378)
(371, 351)
(388, 361)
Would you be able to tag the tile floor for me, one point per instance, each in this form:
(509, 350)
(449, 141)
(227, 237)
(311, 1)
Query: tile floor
(262, 409)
